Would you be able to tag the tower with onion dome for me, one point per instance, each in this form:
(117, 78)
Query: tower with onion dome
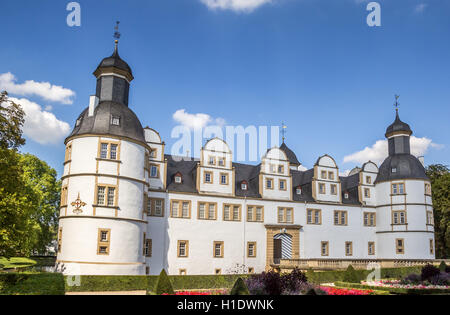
(404, 212)
(102, 223)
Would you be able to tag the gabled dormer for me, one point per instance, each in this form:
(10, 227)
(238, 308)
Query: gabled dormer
(215, 172)
(156, 164)
(366, 189)
(275, 181)
(326, 184)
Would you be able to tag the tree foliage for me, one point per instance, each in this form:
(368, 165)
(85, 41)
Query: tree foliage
(29, 190)
(163, 285)
(440, 184)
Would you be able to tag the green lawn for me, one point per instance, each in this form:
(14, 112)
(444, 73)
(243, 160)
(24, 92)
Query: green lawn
(17, 262)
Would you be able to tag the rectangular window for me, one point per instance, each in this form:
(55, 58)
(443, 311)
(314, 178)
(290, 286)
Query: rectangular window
(153, 153)
(212, 160)
(148, 248)
(183, 249)
(68, 156)
(154, 171)
(348, 248)
(101, 195)
(370, 218)
(218, 250)
(283, 184)
(314, 216)
(323, 174)
(207, 211)
(208, 178)
(333, 189)
(325, 247)
(368, 180)
(371, 248)
(428, 189)
(111, 196)
(430, 220)
(60, 231)
(155, 207)
(400, 246)
(180, 209)
(431, 246)
(331, 175)
(223, 179)
(340, 217)
(367, 192)
(251, 270)
(218, 272)
(104, 240)
(64, 196)
(280, 169)
(231, 212)
(398, 189)
(399, 217)
(221, 161)
(113, 152)
(269, 183)
(183, 272)
(104, 151)
(285, 215)
(251, 249)
(255, 214)
(322, 189)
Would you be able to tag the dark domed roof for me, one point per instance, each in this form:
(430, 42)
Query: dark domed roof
(116, 62)
(100, 123)
(398, 125)
(290, 154)
(406, 166)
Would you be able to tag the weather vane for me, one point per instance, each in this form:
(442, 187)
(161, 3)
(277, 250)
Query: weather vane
(117, 33)
(396, 104)
(283, 131)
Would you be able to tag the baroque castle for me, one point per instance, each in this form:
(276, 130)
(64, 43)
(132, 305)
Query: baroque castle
(127, 208)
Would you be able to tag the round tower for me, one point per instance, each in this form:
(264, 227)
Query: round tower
(101, 225)
(404, 213)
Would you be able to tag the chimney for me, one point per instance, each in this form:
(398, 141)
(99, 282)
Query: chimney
(93, 102)
(422, 160)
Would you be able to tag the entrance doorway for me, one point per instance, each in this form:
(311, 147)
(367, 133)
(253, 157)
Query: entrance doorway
(282, 247)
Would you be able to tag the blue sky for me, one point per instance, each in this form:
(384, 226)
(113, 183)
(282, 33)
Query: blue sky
(313, 64)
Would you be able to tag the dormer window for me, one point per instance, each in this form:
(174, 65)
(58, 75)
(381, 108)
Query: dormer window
(115, 120)
(394, 170)
(78, 123)
(298, 191)
(346, 195)
(178, 179)
(221, 161)
(244, 186)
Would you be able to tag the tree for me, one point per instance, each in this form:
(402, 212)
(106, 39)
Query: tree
(12, 118)
(440, 185)
(43, 190)
(239, 288)
(163, 285)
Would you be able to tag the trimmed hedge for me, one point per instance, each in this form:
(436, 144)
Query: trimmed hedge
(318, 277)
(31, 284)
(402, 291)
(111, 283)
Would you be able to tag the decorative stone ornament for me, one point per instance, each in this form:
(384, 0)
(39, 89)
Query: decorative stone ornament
(78, 204)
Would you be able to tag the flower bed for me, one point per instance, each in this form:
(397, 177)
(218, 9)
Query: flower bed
(340, 291)
(203, 292)
(398, 284)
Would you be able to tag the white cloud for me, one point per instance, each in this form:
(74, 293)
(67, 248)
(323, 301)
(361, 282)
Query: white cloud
(45, 90)
(196, 121)
(378, 152)
(235, 5)
(40, 125)
(420, 7)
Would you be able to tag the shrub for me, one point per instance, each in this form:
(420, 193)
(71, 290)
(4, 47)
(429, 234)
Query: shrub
(443, 266)
(292, 282)
(351, 275)
(239, 288)
(163, 285)
(428, 272)
(412, 279)
(256, 286)
(441, 279)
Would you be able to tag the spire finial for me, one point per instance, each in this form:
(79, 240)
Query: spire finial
(116, 34)
(396, 104)
(283, 131)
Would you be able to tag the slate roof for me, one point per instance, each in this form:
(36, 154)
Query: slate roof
(100, 122)
(115, 61)
(407, 167)
(398, 125)
(250, 174)
(292, 158)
